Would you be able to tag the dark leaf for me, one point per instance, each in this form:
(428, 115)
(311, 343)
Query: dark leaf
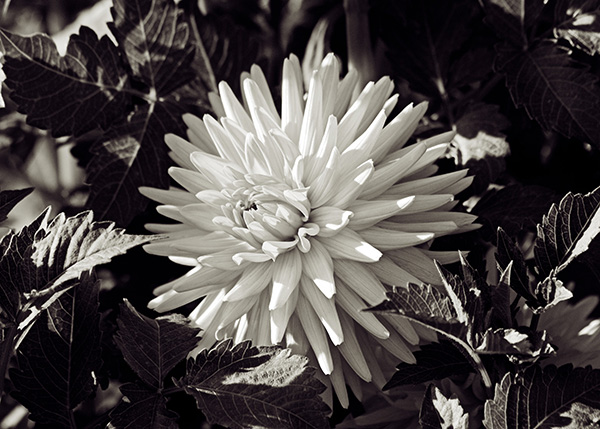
(152, 347)
(142, 407)
(512, 19)
(9, 199)
(131, 155)
(500, 299)
(561, 397)
(513, 208)
(578, 22)
(508, 252)
(70, 95)
(154, 36)
(439, 412)
(556, 91)
(228, 48)
(567, 232)
(57, 359)
(422, 36)
(243, 386)
(435, 361)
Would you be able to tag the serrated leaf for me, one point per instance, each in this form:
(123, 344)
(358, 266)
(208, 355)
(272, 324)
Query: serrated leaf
(567, 232)
(544, 398)
(9, 199)
(142, 407)
(440, 412)
(512, 19)
(130, 155)
(550, 292)
(155, 43)
(152, 347)
(523, 347)
(422, 36)
(559, 93)
(509, 254)
(513, 208)
(56, 361)
(70, 95)
(243, 386)
(435, 361)
(578, 22)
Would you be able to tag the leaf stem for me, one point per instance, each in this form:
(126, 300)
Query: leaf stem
(172, 390)
(535, 319)
(6, 353)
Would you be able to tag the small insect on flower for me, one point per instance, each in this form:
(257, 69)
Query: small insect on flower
(294, 220)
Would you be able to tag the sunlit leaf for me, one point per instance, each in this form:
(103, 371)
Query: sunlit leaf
(439, 412)
(520, 346)
(70, 95)
(561, 397)
(9, 199)
(57, 359)
(152, 347)
(556, 91)
(578, 22)
(243, 386)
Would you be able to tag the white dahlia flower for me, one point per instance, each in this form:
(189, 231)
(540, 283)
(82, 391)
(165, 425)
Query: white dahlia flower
(295, 220)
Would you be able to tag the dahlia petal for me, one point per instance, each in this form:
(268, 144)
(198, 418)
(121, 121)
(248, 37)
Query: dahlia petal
(256, 101)
(275, 248)
(212, 197)
(404, 328)
(204, 314)
(459, 186)
(348, 244)
(255, 257)
(390, 104)
(351, 303)
(181, 150)
(438, 228)
(172, 299)
(233, 310)
(398, 131)
(281, 316)
(426, 186)
(285, 144)
(323, 188)
(388, 173)
(198, 134)
(287, 270)
(352, 119)
(380, 94)
(325, 309)
(351, 350)
(202, 276)
(317, 265)
(253, 280)
(299, 200)
(234, 109)
(391, 273)
(311, 131)
(361, 279)
(330, 76)
(353, 381)
(295, 338)
(368, 213)
(431, 155)
(338, 378)
(199, 215)
(353, 185)
(184, 260)
(258, 76)
(331, 220)
(396, 345)
(241, 329)
(308, 230)
(227, 148)
(171, 196)
(359, 151)
(443, 257)
(208, 339)
(368, 351)
(216, 103)
(166, 228)
(218, 170)
(193, 181)
(387, 239)
(210, 243)
(344, 93)
(263, 320)
(416, 262)
(318, 162)
(291, 101)
(315, 333)
(223, 260)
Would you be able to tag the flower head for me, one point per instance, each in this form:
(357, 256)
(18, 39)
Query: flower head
(295, 220)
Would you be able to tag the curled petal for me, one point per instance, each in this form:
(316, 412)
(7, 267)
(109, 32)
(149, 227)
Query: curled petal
(331, 220)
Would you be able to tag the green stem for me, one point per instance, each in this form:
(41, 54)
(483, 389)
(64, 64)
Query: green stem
(535, 319)
(6, 353)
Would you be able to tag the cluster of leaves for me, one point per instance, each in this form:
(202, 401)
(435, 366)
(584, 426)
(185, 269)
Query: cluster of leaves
(479, 330)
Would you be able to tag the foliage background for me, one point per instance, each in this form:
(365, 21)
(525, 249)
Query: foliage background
(517, 80)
